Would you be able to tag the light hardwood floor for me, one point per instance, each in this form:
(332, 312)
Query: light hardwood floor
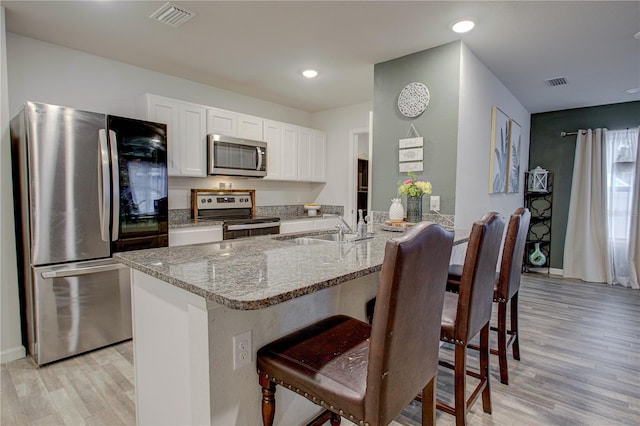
(580, 350)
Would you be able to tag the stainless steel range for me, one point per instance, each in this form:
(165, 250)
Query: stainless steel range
(236, 210)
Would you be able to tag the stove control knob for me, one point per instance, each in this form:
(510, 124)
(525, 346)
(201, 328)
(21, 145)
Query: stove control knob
(208, 200)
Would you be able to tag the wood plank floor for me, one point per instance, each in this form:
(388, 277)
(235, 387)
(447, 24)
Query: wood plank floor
(580, 350)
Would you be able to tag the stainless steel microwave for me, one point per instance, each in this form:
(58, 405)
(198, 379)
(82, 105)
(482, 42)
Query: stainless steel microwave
(231, 156)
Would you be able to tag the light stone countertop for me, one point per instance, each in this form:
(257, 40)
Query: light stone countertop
(258, 272)
(188, 222)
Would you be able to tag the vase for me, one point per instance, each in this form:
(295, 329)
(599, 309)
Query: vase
(537, 257)
(396, 210)
(414, 209)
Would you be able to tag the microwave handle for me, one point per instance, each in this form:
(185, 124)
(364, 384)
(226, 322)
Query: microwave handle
(259, 158)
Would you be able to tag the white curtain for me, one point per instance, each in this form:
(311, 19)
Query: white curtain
(585, 247)
(623, 186)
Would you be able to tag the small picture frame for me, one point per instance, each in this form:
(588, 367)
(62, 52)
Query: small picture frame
(415, 166)
(414, 154)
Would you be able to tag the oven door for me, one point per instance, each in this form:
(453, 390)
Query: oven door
(236, 157)
(236, 230)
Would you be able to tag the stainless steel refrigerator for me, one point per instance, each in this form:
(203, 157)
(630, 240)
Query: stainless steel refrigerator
(86, 185)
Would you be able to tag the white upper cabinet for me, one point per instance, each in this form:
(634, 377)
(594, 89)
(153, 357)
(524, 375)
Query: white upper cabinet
(312, 155)
(272, 131)
(250, 127)
(289, 152)
(229, 123)
(294, 153)
(282, 150)
(222, 122)
(319, 157)
(186, 134)
(305, 153)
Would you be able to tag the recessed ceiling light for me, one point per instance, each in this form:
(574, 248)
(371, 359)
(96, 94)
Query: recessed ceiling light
(633, 90)
(463, 25)
(310, 73)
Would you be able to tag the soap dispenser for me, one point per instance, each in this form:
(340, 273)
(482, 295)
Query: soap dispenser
(362, 226)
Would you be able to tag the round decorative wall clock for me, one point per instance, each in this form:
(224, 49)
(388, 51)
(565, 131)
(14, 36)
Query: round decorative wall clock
(413, 99)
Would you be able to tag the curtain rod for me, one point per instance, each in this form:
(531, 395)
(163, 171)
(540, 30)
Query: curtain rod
(563, 134)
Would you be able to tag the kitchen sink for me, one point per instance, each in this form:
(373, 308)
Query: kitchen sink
(328, 238)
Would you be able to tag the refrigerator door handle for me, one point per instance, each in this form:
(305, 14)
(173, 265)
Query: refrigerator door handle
(104, 186)
(72, 272)
(115, 173)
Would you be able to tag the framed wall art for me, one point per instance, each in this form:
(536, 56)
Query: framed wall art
(515, 143)
(499, 163)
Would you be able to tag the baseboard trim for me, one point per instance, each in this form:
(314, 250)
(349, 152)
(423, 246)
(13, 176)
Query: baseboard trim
(556, 271)
(12, 354)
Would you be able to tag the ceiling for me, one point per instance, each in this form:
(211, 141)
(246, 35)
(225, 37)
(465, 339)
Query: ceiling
(259, 48)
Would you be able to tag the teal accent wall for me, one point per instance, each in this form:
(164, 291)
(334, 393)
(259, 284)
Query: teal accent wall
(439, 70)
(555, 153)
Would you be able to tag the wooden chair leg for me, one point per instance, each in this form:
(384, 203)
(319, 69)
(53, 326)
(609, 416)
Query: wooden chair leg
(514, 327)
(502, 342)
(429, 403)
(460, 384)
(268, 401)
(335, 419)
(484, 368)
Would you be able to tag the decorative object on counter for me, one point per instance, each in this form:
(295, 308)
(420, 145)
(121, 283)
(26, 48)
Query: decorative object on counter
(396, 210)
(414, 209)
(537, 257)
(395, 226)
(538, 180)
(413, 99)
(414, 189)
(312, 208)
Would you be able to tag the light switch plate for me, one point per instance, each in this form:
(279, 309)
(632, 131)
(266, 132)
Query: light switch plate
(434, 203)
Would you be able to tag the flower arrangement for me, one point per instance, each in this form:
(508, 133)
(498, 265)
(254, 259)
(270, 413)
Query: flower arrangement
(414, 187)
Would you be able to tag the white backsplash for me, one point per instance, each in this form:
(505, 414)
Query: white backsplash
(268, 192)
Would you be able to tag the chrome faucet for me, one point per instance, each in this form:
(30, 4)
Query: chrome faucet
(345, 224)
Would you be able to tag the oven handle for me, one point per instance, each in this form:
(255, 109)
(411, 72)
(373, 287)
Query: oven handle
(251, 226)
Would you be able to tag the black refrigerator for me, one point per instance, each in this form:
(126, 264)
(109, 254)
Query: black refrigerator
(86, 185)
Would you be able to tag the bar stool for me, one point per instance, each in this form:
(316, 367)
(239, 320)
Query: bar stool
(506, 288)
(370, 373)
(467, 313)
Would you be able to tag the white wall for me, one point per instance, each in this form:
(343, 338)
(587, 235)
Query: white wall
(45, 72)
(480, 91)
(11, 342)
(338, 123)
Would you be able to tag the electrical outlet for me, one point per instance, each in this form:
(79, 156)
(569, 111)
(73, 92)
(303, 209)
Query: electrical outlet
(434, 203)
(242, 348)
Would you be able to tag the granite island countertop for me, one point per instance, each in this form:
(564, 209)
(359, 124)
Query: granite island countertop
(188, 222)
(255, 273)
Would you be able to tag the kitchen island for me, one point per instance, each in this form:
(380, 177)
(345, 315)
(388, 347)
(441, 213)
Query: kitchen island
(190, 302)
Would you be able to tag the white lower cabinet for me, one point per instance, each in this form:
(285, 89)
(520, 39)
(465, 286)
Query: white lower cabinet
(305, 225)
(195, 235)
(326, 223)
(292, 226)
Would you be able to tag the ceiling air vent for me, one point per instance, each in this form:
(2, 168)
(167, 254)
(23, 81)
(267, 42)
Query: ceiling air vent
(557, 81)
(172, 15)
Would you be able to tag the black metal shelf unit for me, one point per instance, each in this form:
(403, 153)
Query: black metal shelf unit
(538, 244)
